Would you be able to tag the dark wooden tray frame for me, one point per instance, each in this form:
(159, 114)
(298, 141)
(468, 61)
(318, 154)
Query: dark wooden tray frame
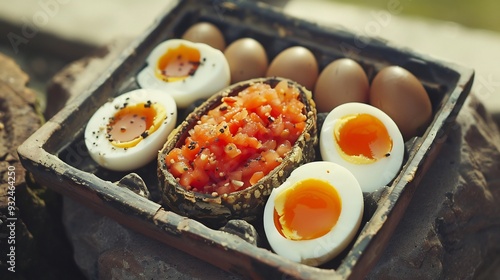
(39, 154)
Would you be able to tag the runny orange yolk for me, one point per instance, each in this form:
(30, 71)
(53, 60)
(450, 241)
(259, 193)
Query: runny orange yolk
(133, 123)
(307, 210)
(362, 138)
(178, 64)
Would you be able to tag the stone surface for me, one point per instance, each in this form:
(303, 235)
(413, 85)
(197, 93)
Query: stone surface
(452, 226)
(39, 243)
(106, 250)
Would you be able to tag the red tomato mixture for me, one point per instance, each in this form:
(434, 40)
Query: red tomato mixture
(240, 141)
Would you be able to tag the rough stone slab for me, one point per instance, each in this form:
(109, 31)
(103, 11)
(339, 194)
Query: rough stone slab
(106, 250)
(39, 240)
(18, 119)
(451, 229)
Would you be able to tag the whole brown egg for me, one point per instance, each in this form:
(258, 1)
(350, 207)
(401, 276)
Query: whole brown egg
(247, 59)
(295, 63)
(342, 81)
(207, 33)
(402, 96)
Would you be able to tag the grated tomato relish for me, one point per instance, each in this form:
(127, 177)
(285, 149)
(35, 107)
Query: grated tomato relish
(240, 141)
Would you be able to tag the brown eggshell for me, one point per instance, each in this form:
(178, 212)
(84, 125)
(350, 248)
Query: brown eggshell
(247, 204)
(342, 81)
(402, 96)
(297, 64)
(247, 59)
(207, 33)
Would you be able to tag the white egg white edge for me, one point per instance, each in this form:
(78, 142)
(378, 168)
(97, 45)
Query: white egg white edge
(320, 250)
(374, 176)
(212, 75)
(120, 159)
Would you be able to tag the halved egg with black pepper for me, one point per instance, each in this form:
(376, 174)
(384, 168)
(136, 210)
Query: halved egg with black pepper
(185, 70)
(314, 214)
(366, 141)
(128, 131)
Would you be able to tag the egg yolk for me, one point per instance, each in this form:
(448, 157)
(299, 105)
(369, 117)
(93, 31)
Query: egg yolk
(307, 210)
(362, 139)
(132, 123)
(178, 64)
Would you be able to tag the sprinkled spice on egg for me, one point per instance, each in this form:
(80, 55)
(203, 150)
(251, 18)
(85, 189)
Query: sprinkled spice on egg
(127, 132)
(185, 70)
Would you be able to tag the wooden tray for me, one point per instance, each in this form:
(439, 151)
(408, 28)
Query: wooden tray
(57, 157)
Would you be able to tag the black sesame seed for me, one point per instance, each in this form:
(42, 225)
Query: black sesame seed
(192, 145)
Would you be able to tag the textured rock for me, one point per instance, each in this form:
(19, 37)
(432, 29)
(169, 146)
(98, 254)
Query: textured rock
(452, 226)
(106, 250)
(40, 246)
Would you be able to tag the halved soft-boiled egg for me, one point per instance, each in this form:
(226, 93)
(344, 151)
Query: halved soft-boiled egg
(366, 141)
(185, 70)
(314, 214)
(128, 131)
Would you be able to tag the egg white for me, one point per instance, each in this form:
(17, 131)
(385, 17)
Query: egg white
(211, 76)
(322, 249)
(371, 176)
(124, 159)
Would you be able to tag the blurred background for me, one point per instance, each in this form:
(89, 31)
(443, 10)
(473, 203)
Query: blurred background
(481, 14)
(45, 35)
